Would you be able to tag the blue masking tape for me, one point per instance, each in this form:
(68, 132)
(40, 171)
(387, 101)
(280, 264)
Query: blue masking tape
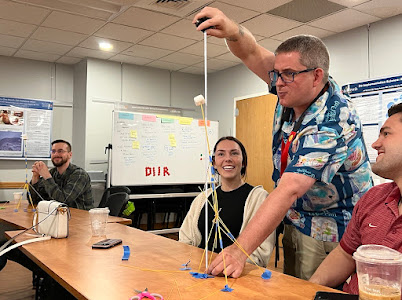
(126, 253)
(227, 289)
(200, 275)
(266, 275)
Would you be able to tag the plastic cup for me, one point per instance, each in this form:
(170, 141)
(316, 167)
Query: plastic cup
(98, 218)
(17, 196)
(379, 272)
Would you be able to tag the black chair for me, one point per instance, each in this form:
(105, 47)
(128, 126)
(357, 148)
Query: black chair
(117, 203)
(280, 229)
(110, 191)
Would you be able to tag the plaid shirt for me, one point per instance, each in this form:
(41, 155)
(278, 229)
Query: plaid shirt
(73, 188)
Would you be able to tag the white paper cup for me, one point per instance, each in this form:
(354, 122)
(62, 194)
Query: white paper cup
(98, 218)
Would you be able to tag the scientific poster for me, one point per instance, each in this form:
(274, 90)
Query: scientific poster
(25, 120)
(372, 99)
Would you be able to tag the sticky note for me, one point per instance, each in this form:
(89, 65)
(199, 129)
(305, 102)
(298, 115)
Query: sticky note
(133, 134)
(202, 123)
(126, 116)
(167, 120)
(173, 143)
(185, 121)
(149, 118)
(136, 145)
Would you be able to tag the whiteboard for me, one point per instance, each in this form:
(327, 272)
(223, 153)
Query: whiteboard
(149, 149)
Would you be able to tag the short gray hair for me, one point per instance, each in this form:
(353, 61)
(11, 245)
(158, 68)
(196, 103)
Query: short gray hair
(313, 52)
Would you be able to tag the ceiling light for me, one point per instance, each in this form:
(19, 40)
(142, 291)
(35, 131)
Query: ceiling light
(105, 46)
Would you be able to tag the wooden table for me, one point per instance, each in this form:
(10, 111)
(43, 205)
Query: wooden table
(23, 219)
(154, 264)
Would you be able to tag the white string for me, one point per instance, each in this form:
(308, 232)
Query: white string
(206, 147)
(44, 238)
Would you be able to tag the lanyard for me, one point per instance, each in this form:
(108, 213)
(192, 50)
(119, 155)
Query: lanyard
(296, 127)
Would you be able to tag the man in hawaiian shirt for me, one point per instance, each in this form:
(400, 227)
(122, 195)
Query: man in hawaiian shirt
(321, 167)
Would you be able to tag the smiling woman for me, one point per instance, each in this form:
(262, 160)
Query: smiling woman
(237, 201)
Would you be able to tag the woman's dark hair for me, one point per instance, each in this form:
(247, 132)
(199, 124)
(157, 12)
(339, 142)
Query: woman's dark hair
(243, 152)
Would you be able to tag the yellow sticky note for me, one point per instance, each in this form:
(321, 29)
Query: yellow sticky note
(136, 145)
(185, 121)
(171, 136)
(172, 143)
(133, 134)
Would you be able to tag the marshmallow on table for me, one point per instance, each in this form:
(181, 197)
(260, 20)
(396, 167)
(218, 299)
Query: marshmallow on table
(199, 100)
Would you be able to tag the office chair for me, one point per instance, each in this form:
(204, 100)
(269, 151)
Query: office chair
(110, 191)
(117, 203)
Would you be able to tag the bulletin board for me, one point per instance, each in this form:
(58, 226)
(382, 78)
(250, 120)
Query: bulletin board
(150, 149)
(372, 99)
(25, 119)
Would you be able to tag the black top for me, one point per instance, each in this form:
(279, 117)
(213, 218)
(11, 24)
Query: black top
(232, 208)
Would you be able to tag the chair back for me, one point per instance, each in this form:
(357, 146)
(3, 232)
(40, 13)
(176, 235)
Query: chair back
(117, 203)
(110, 191)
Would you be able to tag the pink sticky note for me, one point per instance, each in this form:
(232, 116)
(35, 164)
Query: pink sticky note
(149, 118)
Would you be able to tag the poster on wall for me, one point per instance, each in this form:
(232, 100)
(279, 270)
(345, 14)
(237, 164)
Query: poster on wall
(25, 120)
(372, 99)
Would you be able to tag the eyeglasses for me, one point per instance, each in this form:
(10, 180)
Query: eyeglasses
(286, 77)
(58, 151)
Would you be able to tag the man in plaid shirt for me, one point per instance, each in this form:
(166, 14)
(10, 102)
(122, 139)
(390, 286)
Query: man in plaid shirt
(66, 183)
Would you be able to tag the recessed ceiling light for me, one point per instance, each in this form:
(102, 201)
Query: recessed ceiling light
(105, 46)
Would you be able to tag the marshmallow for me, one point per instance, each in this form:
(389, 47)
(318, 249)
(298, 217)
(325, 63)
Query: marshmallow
(199, 100)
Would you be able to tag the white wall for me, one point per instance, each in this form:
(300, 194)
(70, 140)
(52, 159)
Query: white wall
(22, 78)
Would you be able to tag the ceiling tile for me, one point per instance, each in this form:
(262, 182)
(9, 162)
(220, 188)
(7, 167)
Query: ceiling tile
(306, 10)
(11, 41)
(93, 43)
(212, 49)
(269, 44)
(16, 28)
(344, 20)
(184, 28)
(257, 5)
(182, 58)
(58, 36)
(381, 8)
(218, 64)
(193, 70)
(229, 56)
(36, 55)
(130, 59)
(74, 23)
(166, 41)
(268, 25)
(216, 41)
(138, 17)
(238, 14)
(46, 47)
(179, 8)
(22, 13)
(146, 52)
(93, 9)
(305, 29)
(349, 3)
(6, 51)
(122, 33)
(68, 60)
(84, 52)
(166, 65)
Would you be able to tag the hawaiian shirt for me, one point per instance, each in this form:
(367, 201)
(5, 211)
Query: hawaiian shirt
(328, 147)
